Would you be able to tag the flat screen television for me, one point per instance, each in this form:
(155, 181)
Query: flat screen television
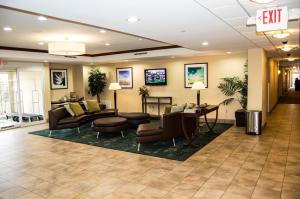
(156, 76)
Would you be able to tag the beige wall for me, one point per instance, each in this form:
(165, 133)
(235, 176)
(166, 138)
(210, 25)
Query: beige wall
(86, 70)
(59, 93)
(218, 67)
(273, 83)
(78, 86)
(257, 82)
(47, 91)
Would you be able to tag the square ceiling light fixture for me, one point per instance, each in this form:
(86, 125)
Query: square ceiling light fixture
(66, 48)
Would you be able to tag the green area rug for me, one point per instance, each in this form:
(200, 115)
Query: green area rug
(162, 149)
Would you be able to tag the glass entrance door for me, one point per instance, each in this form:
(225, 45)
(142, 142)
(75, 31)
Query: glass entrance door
(31, 95)
(9, 100)
(21, 97)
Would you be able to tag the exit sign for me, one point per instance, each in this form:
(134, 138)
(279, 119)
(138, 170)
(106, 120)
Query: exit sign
(271, 19)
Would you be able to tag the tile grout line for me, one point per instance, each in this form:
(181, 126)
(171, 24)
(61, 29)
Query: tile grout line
(216, 170)
(263, 166)
(239, 170)
(286, 158)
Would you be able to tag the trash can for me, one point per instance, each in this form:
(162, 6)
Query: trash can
(253, 120)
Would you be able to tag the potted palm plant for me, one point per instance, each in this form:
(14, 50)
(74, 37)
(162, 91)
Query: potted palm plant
(236, 89)
(96, 83)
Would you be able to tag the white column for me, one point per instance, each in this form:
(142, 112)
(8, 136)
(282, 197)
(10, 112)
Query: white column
(257, 82)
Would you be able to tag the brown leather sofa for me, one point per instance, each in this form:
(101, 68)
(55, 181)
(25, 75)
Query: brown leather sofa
(169, 129)
(59, 118)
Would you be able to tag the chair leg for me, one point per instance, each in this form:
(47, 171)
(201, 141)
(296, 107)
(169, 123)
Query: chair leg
(98, 133)
(139, 145)
(174, 144)
(50, 133)
(92, 124)
(122, 134)
(78, 130)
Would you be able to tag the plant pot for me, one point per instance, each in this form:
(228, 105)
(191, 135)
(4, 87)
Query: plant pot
(240, 118)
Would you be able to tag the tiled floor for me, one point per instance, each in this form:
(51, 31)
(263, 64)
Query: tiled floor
(234, 165)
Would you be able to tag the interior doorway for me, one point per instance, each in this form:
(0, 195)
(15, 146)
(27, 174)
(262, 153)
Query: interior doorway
(294, 76)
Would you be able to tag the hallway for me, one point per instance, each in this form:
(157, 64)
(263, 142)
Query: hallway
(291, 97)
(233, 166)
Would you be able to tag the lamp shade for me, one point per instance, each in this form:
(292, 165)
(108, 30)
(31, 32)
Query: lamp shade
(66, 48)
(198, 86)
(114, 86)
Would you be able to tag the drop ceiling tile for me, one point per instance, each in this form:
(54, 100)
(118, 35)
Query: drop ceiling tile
(262, 39)
(230, 11)
(237, 21)
(251, 35)
(213, 4)
(293, 25)
(244, 28)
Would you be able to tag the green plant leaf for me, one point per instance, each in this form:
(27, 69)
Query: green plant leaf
(227, 101)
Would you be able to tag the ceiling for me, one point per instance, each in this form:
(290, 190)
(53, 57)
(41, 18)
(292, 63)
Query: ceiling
(35, 31)
(187, 23)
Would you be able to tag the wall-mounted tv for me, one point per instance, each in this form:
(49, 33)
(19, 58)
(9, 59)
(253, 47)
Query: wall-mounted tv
(156, 76)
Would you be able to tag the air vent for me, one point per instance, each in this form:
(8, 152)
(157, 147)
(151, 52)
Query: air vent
(70, 57)
(141, 53)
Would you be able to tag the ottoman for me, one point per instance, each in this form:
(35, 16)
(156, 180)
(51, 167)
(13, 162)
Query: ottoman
(110, 125)
(136, 118)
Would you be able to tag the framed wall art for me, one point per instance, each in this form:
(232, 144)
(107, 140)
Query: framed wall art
(125, 77)
(58, 79)
(195, 72)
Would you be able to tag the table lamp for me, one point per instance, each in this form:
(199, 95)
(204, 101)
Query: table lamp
(114, 86)
(198, 86)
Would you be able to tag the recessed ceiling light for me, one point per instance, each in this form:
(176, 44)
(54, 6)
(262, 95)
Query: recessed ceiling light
(281, 35)
(172, 57)
(45, 61)
(132, 19)
(42, 18)
(107, 44)
(41, 43)
(126, 60)
(294, 67)
(291, 59)
(286, 48)
(228, 52)
(262, 1)
(7, 29)
(205, 43)
(102, 31)
(140, 39)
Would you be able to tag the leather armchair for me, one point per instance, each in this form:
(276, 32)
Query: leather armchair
(169, 129)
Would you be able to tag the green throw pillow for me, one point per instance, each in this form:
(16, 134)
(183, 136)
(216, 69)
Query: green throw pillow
(93, 105)
(77, 109)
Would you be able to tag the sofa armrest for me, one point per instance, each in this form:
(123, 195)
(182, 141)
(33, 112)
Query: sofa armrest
(172, 124)
(53, 120)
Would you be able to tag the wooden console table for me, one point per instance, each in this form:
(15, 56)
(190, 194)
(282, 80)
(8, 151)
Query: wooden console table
(155, 100)
(190, 122)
